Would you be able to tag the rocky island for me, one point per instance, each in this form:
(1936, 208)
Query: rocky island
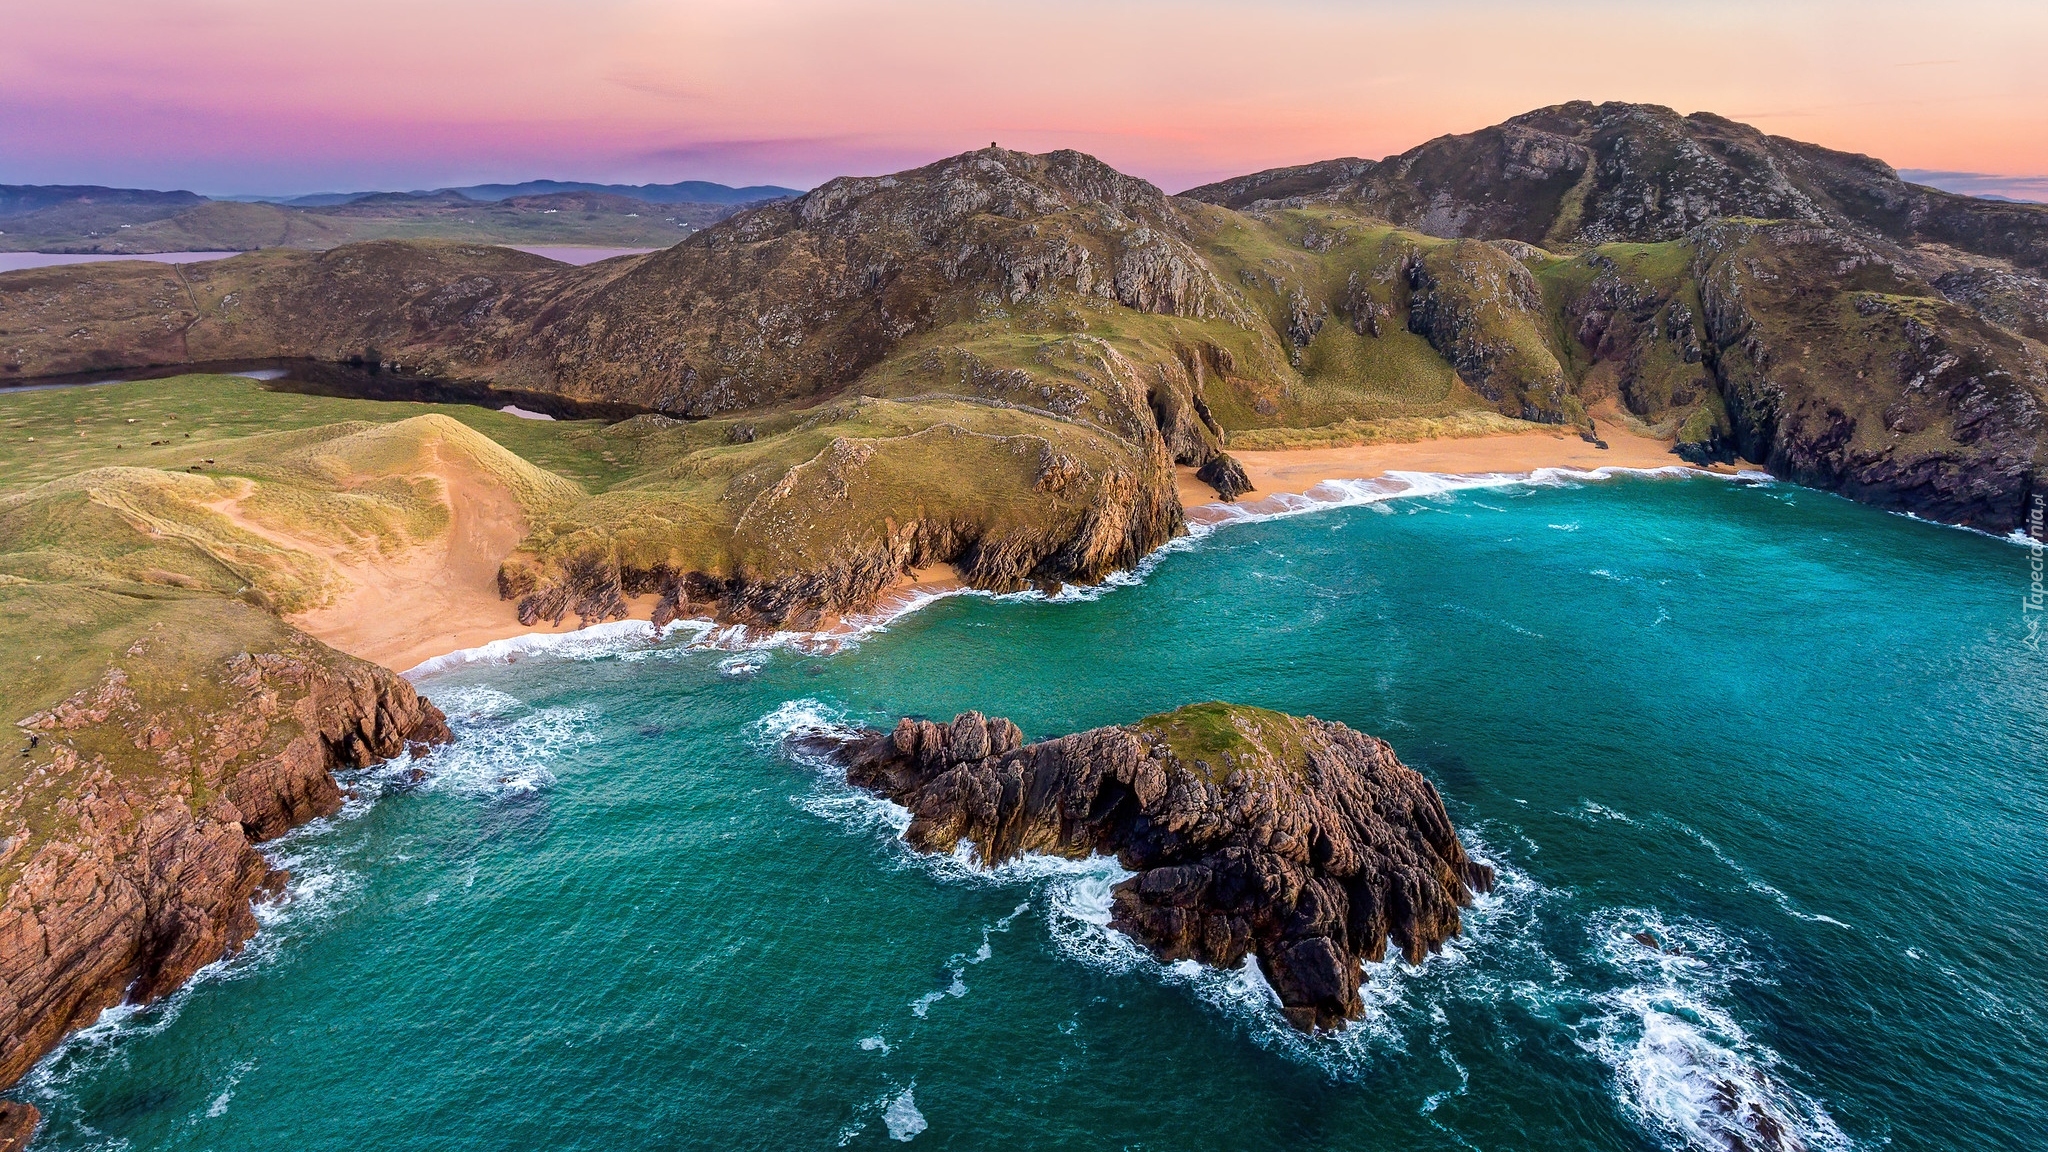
(1252, 833)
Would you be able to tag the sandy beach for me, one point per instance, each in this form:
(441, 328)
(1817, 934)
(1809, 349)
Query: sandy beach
(442, 597)
(1297, 470)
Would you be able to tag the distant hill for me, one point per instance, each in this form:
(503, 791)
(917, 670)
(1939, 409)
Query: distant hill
(16, 199)
(1581, 173)
(1737, 293)
(1982, 185)
(683, 192)
(113, 221)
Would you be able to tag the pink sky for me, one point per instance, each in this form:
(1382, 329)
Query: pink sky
(229, 96)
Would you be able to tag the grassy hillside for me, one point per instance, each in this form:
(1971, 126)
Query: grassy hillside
(216, 489)
(1058, 287)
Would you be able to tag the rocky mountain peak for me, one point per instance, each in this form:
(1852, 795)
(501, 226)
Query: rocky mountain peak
(932, 200)
(1582, 173)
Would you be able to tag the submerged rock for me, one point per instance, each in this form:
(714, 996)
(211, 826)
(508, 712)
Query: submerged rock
(1297, 840)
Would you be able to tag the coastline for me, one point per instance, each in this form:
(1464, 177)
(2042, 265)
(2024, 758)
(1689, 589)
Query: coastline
(1286, 481)
(1293, 471)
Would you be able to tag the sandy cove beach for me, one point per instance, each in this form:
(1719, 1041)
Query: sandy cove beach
(1297, 470)
(442, 598)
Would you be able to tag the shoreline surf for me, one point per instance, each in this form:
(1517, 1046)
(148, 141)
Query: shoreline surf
(930, 585)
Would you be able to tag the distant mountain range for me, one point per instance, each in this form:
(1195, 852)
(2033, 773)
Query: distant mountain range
(1983, 185)
(681, 192)
(114, 221)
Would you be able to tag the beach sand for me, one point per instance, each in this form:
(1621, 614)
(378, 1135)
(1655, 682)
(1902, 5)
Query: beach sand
(439, 597)
(442, 597)
(1298, 470)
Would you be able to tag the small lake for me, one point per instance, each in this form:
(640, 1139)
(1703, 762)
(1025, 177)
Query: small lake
(353, 381)
(577, 254)
(17, 261)
(20, 261)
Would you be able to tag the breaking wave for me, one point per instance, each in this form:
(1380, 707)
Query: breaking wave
(1397, 485)
(502, 749)
(596, 642)
(1683, 1066)
(639, 640)
(1399, 997)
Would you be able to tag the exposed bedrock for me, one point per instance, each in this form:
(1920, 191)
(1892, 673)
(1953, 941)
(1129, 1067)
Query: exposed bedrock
(1225, 475)
(17, 1124)
(1080, 525)
(141, 878)
(1296, 840)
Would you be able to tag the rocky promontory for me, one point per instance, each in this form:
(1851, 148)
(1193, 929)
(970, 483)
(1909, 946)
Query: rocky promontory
(1296, 840)
(127, 840)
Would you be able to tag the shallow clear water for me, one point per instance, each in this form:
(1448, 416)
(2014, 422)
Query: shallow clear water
(1797, 741)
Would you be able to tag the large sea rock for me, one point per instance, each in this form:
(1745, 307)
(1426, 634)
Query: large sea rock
(1295, 840)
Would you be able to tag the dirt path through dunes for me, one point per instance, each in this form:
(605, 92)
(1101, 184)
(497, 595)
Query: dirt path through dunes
(437, 597)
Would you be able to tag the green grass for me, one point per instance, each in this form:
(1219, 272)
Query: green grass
(1214, 740)
(171, 645)
(1388, 430)
(59, 431)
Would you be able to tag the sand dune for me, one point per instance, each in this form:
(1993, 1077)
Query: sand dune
(436, 597)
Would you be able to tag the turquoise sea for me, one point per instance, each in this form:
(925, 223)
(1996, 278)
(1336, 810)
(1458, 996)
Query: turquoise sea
(1797, 743)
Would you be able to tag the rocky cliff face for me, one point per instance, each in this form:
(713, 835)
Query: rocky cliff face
(1842, 369)
(17, 1125)
(129, 857)
(831, 534)
(1482, 310)
(790, 299)
(1296, 840)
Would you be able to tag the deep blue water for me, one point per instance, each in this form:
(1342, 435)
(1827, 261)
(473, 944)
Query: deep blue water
(1798, 742)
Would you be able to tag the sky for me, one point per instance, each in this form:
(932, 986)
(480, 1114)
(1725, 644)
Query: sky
(285, 96)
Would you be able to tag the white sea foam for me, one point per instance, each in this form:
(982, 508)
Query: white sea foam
(593, 643)
(1683, 1067)
(502, 747)
(743, 664)
(219, 1107)
(1395, 485)
(321, 886)
(902, 1118)
(1078, 914)
(638, 639)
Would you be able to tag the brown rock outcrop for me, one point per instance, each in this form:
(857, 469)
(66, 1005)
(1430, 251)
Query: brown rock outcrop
(17, 1124)
(1297, 840)
(129, 858)
(1225, 475)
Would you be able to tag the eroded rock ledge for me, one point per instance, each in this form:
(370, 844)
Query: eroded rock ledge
(127, 852)
(1294, 839)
